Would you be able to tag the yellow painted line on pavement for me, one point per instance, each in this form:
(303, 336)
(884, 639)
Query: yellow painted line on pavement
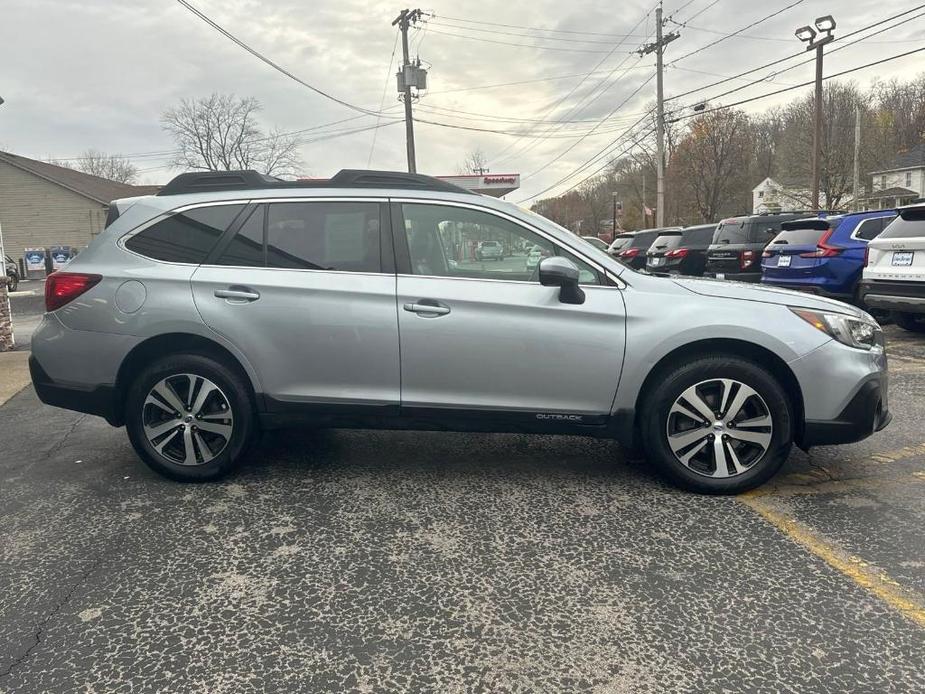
(899, 454)
(862, 573)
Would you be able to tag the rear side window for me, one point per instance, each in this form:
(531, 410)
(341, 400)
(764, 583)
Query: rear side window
(185, 237)
(247, 248)
(870, 229)
(908, 226)
(324, 236)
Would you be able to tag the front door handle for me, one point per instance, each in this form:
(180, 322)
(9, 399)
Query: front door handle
(237, 294)
(427, 307)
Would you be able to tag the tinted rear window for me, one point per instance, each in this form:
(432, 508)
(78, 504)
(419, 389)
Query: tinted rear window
(750, 229)
(185, 237)
(620, 243)
(798, 237)
(643, 239)
(667, 241)
(699, 236)
(910, 225)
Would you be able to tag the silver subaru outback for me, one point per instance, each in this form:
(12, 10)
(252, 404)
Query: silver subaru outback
(230, 303)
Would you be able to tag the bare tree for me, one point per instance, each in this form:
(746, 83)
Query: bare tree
(115, 167)
(221, 133)
(475, 162)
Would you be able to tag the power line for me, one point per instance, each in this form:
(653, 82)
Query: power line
(578, 107)
(519, 82)
(798, 55)
(739, 31)
(526, 28)
(693, 16)
(388, 78)
(269, 62)
(482, 30)
(517, 45)
(802, 84)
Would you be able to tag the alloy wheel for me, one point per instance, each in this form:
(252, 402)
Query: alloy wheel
(719, 428)
(187, 419)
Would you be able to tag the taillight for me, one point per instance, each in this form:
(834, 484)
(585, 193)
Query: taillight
(629, 253)
(676, 253)
(766, 254)
(824, 249)
(63, 287)
(866, 255)
(746, 258)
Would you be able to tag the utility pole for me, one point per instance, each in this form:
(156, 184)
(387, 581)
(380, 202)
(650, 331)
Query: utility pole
(824, 28)
(857, 157)
(407, 78)
(658, 47)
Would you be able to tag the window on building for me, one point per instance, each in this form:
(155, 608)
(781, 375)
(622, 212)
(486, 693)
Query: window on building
(908, 179)
(324, 236)
(185, 237)
(883, 182)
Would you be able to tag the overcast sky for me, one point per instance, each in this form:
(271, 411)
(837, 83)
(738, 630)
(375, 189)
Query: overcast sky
(81, 74)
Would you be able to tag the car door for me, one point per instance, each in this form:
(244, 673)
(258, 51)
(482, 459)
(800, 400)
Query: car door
(306, 291)
(482, 336)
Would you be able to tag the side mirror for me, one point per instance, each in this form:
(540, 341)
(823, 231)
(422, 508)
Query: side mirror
(557, 271)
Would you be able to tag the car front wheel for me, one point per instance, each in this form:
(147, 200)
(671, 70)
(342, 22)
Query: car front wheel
(190, 417)
(717, 425)
(14, 283)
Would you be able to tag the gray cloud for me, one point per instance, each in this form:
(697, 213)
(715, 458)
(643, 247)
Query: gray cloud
(98, 73)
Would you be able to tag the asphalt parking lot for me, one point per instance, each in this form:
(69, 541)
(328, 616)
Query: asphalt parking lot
(401, 561)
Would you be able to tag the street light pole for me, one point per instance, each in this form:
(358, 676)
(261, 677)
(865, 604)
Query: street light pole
(825, 26)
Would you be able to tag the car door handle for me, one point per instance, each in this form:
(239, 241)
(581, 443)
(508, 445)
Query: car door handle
(422, 307)
(240, 294)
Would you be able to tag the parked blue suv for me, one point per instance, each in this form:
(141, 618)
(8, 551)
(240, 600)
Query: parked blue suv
(823, 256)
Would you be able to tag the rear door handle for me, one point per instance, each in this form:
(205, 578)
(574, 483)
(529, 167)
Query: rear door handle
(239, 294)
(428, 308)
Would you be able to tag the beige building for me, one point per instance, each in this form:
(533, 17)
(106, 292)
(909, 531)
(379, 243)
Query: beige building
(45, 205)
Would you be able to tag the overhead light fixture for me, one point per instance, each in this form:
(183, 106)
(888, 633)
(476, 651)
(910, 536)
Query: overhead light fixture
(826, 23)
(806, 33)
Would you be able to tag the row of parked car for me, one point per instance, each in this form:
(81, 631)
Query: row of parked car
(873, 259)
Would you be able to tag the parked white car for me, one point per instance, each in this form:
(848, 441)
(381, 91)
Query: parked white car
(894, 275)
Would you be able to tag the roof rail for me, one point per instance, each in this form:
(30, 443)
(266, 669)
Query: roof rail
(208, 181)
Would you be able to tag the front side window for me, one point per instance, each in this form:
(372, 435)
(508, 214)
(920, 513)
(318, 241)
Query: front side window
(340, 236)
(446, 241)
(185, 237)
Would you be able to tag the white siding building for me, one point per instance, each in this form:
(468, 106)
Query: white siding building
(901, 183)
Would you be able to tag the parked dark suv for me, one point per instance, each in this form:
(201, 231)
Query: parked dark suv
(630, 247)
(738, 243)
(681, 252)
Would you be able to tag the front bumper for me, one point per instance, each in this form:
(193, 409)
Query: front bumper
(865, 414)
(905, 297)
(845, 394)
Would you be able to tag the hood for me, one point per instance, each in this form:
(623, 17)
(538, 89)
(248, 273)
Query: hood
(724, 289)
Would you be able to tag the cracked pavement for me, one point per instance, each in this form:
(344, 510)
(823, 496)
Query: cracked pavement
(402, 561)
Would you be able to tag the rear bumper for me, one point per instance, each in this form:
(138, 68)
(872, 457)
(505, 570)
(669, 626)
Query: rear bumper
(809, 287)
(98, 400)
(905, 297)
(864, 414)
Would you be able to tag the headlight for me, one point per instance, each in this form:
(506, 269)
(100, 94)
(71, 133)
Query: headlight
(861, 333)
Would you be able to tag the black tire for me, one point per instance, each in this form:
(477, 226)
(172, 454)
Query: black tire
(909, 321)
(670, 385)
(237, 393)
(14, 283)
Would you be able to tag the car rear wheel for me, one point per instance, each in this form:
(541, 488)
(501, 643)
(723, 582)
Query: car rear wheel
(910, 321)
(190, 417)
(14, 283)
(718, 425)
